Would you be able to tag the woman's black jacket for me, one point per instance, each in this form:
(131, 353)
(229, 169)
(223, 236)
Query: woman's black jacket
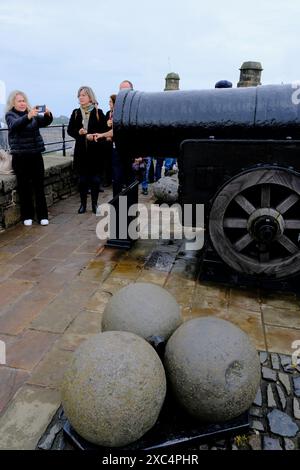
(88, 156)
(24, 134)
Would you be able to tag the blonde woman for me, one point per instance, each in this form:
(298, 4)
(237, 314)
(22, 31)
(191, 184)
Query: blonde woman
(26, 146)
(86, 121)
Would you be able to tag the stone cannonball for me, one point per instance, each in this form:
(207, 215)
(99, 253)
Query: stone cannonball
(166, 189)
(213, 369)
(144, 309)
(114, 388)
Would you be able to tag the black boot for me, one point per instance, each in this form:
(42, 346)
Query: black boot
(82, 208)
(94, 201)
(94, 197)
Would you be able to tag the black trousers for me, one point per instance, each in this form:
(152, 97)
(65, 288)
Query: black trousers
(29, 170)
(122, 173)
(117, 172)
(87, 182)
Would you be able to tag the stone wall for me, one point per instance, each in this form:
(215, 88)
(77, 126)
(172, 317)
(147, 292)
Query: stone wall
(59, 184)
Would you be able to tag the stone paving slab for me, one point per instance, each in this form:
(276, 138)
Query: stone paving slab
(18, 316)
(5, 255)
(50, 370)
(7, 270)
(26, 351)
(57, 280)
(10, 382)
(87, 322)
(59, 314)
(281, 317)
(98, 270)
(281, 339)
(12, 289)
(71, 341)
(35, 269)
(29, 414)
(245, 300)
(59, 251)
(209, 290)
(153, 277)
(98, 301)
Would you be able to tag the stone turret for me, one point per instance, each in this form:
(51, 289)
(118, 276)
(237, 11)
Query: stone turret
(172, 81)
(250, 74)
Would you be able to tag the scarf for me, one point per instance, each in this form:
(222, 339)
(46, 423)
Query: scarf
(86, 111)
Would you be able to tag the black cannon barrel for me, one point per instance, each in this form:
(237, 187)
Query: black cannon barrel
(156, 123)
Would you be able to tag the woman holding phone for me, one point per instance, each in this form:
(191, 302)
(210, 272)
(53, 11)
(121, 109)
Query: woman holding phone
(26, 146)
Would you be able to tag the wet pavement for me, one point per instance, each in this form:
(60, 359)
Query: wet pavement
(55, 283)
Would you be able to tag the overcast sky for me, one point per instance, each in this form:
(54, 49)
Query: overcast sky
(49, 48)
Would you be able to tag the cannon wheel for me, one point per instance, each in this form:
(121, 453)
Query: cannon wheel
(254, 222)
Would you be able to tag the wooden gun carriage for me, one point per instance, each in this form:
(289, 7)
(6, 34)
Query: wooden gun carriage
(238, 154)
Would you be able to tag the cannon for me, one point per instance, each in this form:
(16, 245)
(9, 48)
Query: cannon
(238, 154)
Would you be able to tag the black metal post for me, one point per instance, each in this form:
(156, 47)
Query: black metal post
(64, 141)
(123, 240)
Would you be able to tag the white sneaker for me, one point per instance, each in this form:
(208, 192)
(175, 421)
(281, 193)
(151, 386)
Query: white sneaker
(44, 222)
(27, 222)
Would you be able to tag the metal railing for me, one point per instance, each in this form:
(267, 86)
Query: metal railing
(55, 138)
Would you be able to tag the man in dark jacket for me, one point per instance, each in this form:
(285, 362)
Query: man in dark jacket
(26, 146)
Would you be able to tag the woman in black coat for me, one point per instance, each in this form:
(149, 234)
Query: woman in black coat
(88, 154)
(26, 146)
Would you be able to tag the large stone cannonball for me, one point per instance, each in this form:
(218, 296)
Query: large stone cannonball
(114, 388)
(166, 189)
(213, 369)
(144, 309)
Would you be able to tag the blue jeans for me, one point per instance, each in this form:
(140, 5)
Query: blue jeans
(169, 162)
(145, 181)
(158, 167)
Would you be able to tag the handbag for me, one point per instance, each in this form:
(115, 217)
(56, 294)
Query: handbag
(5, 163)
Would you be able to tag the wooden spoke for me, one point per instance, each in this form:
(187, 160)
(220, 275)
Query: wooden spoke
(243, 242)
(245, 204)
(285, 205)
(288, 244)
(238, 236)
(266, 195)
(292, 224)
(235, 223)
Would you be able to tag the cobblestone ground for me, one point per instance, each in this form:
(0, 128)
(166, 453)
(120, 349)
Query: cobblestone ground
(55, 283)
(274, 416)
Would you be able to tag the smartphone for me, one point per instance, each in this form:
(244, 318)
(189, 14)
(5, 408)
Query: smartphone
(41, 108)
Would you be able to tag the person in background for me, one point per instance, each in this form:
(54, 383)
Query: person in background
(108, 136)
(126, 84)
(145, 179)
(26, 146)
(158, 168)
(127, 172)
(86, 121)
(169, 163)
(122, 173)
(109, 145)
